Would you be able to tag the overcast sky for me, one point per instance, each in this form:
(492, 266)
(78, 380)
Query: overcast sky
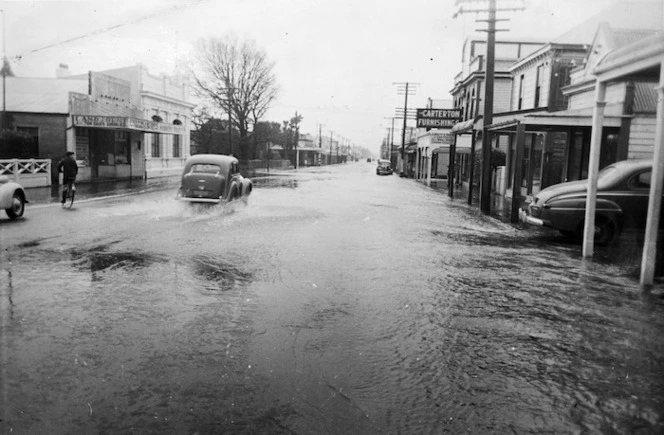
(336, 60)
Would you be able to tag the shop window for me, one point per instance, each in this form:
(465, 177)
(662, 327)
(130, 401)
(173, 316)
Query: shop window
(156, 146)
(122, 148)
(83, 144)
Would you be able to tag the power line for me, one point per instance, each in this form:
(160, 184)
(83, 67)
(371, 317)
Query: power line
(113, 27)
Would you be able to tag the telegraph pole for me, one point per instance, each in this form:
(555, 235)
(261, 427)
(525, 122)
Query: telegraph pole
(404, 89)
(490, 9)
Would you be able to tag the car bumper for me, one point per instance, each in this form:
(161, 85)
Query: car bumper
(527, 219)
(205, 200)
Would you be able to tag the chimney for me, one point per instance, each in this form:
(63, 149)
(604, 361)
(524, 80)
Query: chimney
(62, 71)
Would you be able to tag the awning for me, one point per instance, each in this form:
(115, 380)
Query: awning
(468, 126)
(563, 118)
(410, 149)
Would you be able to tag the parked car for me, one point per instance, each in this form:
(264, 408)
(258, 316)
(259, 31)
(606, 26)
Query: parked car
(384, 167)
(213, 178)
(12, 197)
(623, 190)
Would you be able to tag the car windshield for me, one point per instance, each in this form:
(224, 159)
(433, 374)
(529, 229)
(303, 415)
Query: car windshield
(205, 168)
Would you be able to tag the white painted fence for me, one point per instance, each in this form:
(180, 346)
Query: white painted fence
(27, 172)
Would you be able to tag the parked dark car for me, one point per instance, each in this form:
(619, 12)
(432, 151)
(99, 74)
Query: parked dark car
(384, 167)
(12, 197)
(623, 190)
(213, 178)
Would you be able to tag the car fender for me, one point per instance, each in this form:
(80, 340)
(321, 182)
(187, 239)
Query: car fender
(7, 191)
(246, 187)
(569, 212)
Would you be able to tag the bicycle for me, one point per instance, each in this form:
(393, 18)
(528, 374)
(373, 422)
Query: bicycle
(69, 193)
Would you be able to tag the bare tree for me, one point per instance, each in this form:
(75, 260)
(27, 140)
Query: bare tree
(236, 77)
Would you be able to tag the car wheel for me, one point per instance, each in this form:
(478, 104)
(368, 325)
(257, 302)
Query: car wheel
(233, 194)
(17, 208)
(605, 230)
(569, 234)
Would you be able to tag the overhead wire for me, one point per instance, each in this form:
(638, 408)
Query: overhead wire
(113, 27)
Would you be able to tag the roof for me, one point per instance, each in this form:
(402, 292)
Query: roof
(643, 55)
(219, 159)
(41, 95)
(625, 15)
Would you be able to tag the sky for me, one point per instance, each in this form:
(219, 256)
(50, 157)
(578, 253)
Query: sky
(336, 61)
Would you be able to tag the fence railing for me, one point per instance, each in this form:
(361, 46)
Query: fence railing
(28, 172)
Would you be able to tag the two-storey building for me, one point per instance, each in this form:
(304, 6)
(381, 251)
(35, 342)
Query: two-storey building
(469, 89)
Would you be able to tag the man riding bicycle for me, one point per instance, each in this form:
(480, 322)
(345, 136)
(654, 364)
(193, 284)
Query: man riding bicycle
(69, 169)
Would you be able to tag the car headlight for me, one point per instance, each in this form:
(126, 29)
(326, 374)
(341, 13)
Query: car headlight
(535, 210)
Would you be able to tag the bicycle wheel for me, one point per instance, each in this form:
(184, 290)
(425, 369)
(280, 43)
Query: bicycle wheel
(70, 197)
(71, 192)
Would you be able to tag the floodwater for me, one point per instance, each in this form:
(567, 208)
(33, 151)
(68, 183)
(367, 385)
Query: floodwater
(335, 301)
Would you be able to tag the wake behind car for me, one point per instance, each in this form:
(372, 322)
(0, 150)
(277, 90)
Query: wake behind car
(384, 167)
(623, 190)
(213, 178)
(12, 197)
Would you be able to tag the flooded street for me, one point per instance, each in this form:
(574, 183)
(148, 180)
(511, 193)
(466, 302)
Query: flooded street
(335, 301)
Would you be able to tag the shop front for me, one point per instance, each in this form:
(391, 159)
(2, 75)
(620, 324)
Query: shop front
(112, 147)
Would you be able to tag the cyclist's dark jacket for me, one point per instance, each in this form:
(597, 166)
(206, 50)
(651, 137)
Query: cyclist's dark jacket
(68, 167)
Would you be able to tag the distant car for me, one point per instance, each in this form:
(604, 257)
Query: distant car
(384, 167)
(213, 178)
(623, 190)
(12, 197)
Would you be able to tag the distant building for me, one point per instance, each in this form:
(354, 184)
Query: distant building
(121, 124)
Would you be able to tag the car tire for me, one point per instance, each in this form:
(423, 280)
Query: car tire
(569, 234)
(233, 194)
(605, 230)
(17, 208)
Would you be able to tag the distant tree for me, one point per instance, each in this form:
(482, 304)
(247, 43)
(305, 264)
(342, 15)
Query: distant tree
(210, 134)
(237, 78)
(291, 132)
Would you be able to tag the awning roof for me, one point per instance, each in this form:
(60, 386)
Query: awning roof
(563, 118)
(467, 126)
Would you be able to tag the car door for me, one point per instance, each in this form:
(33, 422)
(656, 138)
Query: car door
(633, 199)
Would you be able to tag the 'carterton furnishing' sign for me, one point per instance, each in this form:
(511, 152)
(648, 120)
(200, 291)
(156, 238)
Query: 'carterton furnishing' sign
(437, 118)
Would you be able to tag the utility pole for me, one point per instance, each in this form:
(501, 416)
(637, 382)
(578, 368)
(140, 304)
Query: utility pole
(404, 89)
(489, 7)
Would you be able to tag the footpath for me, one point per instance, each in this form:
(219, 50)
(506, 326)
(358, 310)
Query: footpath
(53, 194)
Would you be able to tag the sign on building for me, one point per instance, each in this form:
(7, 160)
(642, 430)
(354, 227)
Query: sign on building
(437, 118)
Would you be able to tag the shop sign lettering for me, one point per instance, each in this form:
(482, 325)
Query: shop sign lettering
(437, 118)
(126, 123)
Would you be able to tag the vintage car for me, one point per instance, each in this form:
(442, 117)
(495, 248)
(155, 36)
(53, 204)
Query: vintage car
(213, 178)
(384, 167)
(12, 197)
(623, 190)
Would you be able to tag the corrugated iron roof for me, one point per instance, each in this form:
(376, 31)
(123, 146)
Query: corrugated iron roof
(631, 15)
(40, 95)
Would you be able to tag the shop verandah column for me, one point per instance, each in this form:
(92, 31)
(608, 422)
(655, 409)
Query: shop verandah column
(655, 202)
(593, 169)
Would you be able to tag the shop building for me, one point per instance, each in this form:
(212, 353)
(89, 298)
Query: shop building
(553, 95)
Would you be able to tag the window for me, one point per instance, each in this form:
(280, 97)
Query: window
(176, 145)
(122, 148)
(521, 80)
(538, 84)
(156, 148)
